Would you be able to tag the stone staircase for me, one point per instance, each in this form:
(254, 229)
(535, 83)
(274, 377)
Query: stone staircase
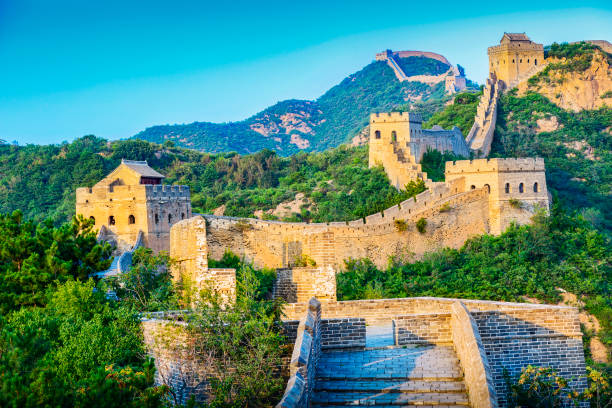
(411, 169)
(384, 375)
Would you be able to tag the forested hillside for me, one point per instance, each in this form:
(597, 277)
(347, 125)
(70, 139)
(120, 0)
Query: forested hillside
(290, 126)
(337, 184)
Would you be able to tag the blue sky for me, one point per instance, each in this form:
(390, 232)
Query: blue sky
(112, 68)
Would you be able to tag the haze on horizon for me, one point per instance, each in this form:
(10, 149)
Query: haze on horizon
(70, 68)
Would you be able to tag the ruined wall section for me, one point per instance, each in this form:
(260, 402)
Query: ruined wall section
(189, 250)
(302, 283)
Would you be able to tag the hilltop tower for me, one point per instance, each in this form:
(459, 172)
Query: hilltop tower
(132, 200)
(398, 142)
(514, 58)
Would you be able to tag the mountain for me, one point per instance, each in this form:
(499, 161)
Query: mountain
(338, 115)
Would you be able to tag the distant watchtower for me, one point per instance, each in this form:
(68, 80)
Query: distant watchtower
(514, 57)
(130, 200)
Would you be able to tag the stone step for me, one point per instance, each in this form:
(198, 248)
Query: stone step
(391, 386)
(365, 398)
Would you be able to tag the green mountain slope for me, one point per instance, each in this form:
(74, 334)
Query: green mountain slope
(41, 180)
(294, 125)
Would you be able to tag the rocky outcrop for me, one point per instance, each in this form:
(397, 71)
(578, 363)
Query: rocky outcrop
(575, 90)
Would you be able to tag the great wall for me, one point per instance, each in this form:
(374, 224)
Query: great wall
(413, 351)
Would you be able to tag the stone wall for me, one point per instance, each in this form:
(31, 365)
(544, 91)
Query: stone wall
(178, 362)
(472, 355)
(278, 244)
(300, 284)
(189, 250)
(304, 360)
(541, 337)
(342, 333)
(428, 328)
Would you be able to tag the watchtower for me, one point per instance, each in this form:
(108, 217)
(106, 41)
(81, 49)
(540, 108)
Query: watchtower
(514, 57)
(132, 199)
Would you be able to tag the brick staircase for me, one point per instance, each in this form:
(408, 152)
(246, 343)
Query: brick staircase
(384, 375)
(410, 167)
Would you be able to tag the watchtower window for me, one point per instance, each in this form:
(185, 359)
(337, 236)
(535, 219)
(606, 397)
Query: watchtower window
(521, 188)
(513, 60)
(93, 219)
(535, 61)
(131, 219)
(111, 220)
(156, 219)
(150, 180)
(507, 189)
(377, 134)
(473, 187)
(394, 136)
(535, 187)
(488, 187)
(182, 216)
(169, 218)
(528, 60)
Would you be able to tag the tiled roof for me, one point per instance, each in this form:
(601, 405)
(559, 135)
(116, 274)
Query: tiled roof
(142, 168)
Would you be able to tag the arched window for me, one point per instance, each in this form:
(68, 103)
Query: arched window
(513, 60)
(156, 219)
(377, 134)
(521, 61)
(535, 61)
(93, 219)
(521, 188)
(528, 60)
(393, 136)
(131, 219)
(169, 218)
(535, 187)
(488, 187)
(507, 188)
(182, 216)
(111, 220)
(473, 187)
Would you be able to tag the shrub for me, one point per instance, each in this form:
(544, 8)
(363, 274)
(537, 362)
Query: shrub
(304, 260)
(445, 208)
(606, 95)
(539, 387)
(400, 225)
(514, 203)
(421, 224)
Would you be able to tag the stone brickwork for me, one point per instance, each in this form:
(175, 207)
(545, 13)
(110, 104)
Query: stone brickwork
(480, 136)
(343, 333)
(428, 328)
(398, 142)
(515, 56)
(517, 187)
(300, 284)
(178, 362)
(123, 204)
(189, 250)
(540, 337)
(268, 243)
(471, 352)
(304, 360)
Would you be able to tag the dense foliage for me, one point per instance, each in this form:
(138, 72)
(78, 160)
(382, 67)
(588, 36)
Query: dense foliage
(42, 180)
(332, 119)
(34, 257)
(578, 154)
(460, 113)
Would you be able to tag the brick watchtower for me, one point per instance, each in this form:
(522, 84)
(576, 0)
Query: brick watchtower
(132, 199)
(514, 58)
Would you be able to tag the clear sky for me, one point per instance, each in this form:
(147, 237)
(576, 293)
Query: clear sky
(112, 68)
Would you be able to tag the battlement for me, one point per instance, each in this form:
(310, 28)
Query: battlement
(387, 117)
(495, 165)
(160, 190)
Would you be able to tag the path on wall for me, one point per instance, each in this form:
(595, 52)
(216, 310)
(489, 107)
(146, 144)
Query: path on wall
(122, 261)
(382, 374)
(481, 134)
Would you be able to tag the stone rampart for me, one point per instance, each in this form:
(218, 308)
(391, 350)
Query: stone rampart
(304, 360)
(430, 328)
(346, 332)
(300, 284)
(541, 337)
(472, 355)
(279, 245)
(178, 362)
